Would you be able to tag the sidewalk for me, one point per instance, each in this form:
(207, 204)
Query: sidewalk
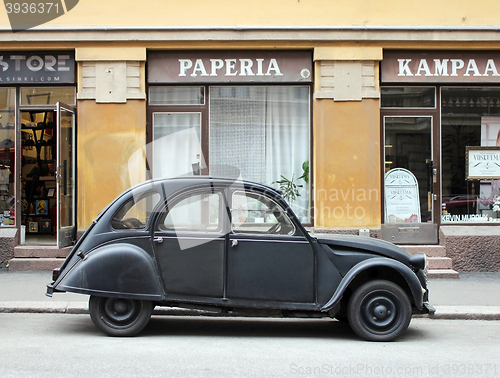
(472, 296)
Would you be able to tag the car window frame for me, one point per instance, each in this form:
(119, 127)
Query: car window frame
(252, 194)
(172, 202)
(135, 198)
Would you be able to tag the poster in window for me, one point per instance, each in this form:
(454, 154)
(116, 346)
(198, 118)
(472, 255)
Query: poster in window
(402, 201)
(483, 163)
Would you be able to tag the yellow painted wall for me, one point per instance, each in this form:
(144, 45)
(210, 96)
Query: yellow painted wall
(108, 135)
(347, 164)
(153, 13)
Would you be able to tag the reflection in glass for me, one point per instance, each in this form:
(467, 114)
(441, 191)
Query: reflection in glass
(470, 117)
(48, 95)
(65, 170)
(408, 146)
(7, 156)
(408, 97)
(176, 96)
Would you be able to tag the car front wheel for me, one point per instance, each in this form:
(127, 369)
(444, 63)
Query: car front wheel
(379, 311)
(118, 316)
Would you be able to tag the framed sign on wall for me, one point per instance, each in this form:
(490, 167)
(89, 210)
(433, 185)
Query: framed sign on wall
(483, 163)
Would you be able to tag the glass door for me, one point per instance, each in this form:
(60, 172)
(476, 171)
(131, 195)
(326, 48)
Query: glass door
(177, 144)
(409, 180)
(65, 175)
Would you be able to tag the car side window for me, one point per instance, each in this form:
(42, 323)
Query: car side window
(135, 213)
(253, 213)
(197, 212)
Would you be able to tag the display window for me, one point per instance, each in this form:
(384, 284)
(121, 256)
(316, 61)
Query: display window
(430, 131)
(259, 133)
(470, 117)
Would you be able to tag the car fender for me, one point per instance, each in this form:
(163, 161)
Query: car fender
(409, 276)
(115, 270)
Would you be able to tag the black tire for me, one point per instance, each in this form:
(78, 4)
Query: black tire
(379, 311)
(118, 316)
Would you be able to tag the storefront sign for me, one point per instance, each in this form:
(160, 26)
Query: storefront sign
(229, 66)
(440, 67)
(37, 67)
(402, 202)
(483, 163)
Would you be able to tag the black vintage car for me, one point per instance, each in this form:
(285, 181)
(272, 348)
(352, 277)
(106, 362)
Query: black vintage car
(235, 247)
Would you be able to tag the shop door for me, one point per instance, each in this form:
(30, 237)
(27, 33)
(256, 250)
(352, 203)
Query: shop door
(177, 144)
(410, 178)
(65, 175)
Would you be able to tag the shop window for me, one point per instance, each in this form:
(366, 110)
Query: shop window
(7, 156)
(469, 117)
(48, 95)
(176, 96)
(260, 132)
(264, 132)
(408, 97)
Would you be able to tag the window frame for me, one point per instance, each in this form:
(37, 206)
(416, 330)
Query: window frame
(254, 195)
(170, 205)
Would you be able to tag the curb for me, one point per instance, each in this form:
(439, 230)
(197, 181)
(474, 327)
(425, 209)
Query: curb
(467, 312)
(75, 308)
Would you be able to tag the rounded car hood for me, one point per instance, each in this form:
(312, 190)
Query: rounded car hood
(370, 245)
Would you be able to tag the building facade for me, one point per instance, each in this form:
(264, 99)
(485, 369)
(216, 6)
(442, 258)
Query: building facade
(386, 118)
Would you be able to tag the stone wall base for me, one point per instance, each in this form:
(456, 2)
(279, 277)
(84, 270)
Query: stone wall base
(472, 248)
(8, 240)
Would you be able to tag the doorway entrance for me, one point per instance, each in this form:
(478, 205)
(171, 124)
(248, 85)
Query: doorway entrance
(410, 177)
(47, 190)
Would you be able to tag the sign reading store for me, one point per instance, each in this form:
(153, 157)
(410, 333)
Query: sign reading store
(229, 66)
(37, 67)
(440, 67)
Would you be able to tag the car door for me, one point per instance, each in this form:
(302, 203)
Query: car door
(269, 259)
(189, 244)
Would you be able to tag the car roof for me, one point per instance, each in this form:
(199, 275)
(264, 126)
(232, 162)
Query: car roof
(204, 180)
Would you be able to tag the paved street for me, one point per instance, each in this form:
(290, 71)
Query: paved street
(62, 345)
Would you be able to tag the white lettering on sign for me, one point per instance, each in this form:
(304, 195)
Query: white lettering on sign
(36, 63)
(447, 67)
(229, 67)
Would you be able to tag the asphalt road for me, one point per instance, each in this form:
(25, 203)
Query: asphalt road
(62, 345)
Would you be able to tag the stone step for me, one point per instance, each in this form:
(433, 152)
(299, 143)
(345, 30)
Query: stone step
(442, 273)
(32, 251)
(440, 263)
(50, 263)
(429, 250)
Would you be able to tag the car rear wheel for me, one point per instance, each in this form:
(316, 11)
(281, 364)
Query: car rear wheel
(379, 311)
(118, 316)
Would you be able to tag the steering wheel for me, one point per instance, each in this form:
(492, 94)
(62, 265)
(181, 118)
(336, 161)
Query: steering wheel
(132, 223)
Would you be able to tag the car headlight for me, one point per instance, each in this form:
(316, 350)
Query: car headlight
(419, 261)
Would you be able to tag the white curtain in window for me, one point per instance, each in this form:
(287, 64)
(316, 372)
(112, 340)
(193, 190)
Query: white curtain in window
(176, 143)
(264, 132)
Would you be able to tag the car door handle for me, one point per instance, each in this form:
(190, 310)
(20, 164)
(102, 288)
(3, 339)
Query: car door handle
(159, 239)
(234, 243)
